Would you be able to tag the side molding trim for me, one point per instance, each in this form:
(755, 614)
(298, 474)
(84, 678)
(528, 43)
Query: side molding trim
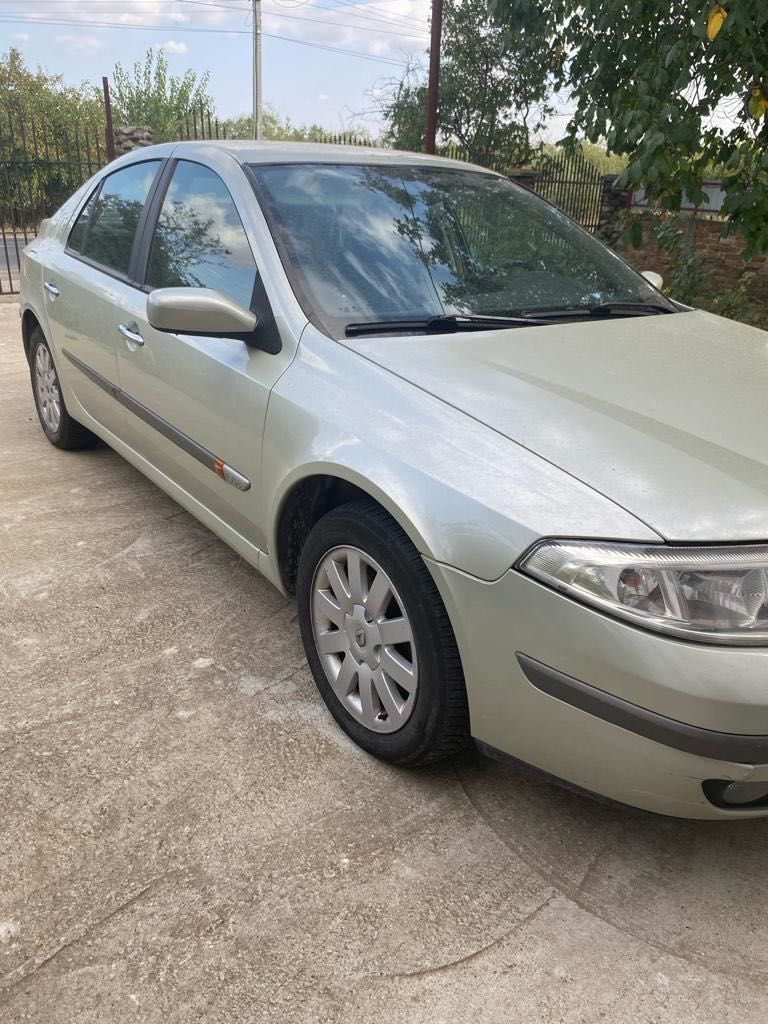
(692, 739)
(178, 437)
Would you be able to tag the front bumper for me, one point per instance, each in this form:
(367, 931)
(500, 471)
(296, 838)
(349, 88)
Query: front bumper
(713, 699)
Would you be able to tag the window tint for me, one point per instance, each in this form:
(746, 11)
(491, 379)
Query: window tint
(106, 227)
(77, 234)
(200, 241)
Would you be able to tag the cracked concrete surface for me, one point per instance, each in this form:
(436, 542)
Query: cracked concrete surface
(186, 835)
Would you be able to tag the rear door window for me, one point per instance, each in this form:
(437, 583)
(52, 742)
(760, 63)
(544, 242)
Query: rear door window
(105, 230)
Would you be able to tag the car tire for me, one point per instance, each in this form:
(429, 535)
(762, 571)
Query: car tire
(58, 426)
(402, 697)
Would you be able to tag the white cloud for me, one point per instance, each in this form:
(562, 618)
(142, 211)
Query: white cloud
(148, 12)
(323, 96)
(21, 37)
(79, 44)
(172, 46)
(383, 28)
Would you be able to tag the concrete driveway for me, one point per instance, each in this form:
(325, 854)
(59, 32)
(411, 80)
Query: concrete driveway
(185, 835)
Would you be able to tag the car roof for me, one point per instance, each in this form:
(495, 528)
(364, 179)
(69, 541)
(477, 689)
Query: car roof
(248, 151)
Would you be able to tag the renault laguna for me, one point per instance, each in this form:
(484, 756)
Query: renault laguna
(519, 494)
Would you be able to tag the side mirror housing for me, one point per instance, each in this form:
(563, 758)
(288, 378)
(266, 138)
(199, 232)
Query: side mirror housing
(198, 311)
(653, 278)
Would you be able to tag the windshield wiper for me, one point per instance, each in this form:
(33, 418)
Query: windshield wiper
(629, 309)
(442, 324)
(606, 309)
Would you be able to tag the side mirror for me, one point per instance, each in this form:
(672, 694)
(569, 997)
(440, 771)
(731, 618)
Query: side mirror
(198, 311)
(653, 278)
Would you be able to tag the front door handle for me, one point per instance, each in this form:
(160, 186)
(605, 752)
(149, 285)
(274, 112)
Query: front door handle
(132, 337)
(51, 288)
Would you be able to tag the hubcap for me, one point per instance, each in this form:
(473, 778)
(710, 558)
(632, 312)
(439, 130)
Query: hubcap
(364, 639)
(47, 388)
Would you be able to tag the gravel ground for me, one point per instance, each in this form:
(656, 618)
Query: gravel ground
(185, 835)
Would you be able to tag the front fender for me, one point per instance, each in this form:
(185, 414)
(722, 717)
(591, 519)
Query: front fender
(464, 494)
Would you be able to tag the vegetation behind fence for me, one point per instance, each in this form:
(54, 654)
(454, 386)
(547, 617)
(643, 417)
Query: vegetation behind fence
(41, 164)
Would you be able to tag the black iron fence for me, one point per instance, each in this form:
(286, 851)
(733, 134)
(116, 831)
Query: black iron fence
(42, 164)
(199, 123)
(573, 184)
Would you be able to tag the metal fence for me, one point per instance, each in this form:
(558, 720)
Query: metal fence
(568, 180)
(199, 123)
(40, 165)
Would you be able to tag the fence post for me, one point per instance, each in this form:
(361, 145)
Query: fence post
(109, 131)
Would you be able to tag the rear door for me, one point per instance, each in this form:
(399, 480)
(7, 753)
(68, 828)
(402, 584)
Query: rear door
(87, 279)
(202, 400)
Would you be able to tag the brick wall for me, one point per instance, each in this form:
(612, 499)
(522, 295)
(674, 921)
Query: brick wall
(721, 255)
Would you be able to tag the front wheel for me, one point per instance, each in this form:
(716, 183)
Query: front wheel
(378, 639)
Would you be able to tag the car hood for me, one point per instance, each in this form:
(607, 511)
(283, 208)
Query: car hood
(666, 415)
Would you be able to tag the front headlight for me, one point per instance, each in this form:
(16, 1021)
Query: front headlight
(711, 594)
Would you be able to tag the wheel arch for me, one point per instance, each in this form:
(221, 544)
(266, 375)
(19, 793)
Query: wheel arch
(308, 497)
(29, 321)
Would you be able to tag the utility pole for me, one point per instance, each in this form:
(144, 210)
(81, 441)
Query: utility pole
(257, 69)
(434, 74)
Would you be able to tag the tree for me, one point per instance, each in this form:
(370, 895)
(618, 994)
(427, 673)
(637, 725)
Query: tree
(277, 128)
(43, 98)
(151, 96)
(676, 87)
(51, 138)
(493, 98)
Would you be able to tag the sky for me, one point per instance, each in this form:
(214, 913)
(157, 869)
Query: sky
(324, 61)
(304, 82)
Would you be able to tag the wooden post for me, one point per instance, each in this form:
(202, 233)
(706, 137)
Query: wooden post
(434, 74)
(109, 131)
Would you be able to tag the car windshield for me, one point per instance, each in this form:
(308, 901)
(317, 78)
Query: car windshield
(374, 242)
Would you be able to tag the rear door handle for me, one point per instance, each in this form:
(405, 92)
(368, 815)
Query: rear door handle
(51, 288)
(130, 336)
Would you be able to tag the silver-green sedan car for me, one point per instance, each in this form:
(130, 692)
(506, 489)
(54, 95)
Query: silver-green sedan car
(520, 495)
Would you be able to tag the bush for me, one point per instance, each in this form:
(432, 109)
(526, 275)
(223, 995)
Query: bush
(688, 280)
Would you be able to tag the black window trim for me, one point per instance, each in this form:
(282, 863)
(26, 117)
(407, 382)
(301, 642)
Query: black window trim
(149, 225)
(129, 278)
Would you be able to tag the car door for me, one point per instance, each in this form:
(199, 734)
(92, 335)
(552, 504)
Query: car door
(202, 400)
(87, 278)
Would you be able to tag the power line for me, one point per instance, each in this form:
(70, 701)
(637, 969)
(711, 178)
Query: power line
(370, 20)
(183, 28)
(346, 24)
(271, 14)
(374, 13)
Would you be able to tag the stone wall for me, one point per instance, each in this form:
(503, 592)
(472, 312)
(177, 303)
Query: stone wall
(130, 137)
